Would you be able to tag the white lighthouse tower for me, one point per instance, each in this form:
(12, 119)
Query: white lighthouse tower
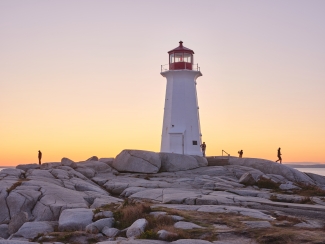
(181, 131)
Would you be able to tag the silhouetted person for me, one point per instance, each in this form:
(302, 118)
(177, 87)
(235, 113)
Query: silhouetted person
(39, 156)
(240, 153)
(203, 147)
(279, 156)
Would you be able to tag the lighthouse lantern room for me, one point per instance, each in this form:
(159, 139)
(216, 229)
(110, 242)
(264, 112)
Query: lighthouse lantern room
(181, 131)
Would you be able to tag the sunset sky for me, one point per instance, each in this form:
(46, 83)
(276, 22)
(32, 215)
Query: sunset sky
(82, 78)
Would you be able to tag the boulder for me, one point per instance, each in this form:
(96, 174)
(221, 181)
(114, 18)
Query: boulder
(88, 172)
(99, 225)
(166, 235)
(14, 173)
(289, 186)
(50, 165)
(22, 200)
(99, 202)
(68, 162)
(131, 190)
(4, 231)
(99, 180)
(30, 230)
(108, 161)
(75, 219)
(39, 174)
(319, 179)
(176, 218)
(104, 214)
(137, 161)
(81, 185)
(247, 179)
(270, 167)
(99, 167)
(110, 232)
(4, 211)
(16, 222)
(137, 228)
(157, 214)
(171, 162)
(186, 225)
(202, 161)
(93, 158)
(26, 167)
(276, 178)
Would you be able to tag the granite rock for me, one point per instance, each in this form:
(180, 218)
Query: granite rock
(75, 219)
(137, 161)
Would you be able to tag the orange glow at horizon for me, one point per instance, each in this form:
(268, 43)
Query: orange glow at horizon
(80, 79)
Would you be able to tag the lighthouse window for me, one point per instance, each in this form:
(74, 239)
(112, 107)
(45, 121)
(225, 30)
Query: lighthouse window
(179, 57)
(187, 58)
(172, 58)
(194, 142)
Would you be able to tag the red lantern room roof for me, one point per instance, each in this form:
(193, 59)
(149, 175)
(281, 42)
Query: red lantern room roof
(181, 49)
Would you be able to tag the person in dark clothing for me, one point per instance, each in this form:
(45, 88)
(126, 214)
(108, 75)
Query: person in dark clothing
(240, 153)
(203, 147)
(39, 156)
(279, 156)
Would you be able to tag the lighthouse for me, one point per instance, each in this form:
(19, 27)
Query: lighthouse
(181, 132)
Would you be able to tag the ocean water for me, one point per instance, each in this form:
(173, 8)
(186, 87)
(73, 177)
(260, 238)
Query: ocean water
(319, 171)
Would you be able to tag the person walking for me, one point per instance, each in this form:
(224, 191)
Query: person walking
(240, 153)
(39, 157)
(203, 147)
(279, 156)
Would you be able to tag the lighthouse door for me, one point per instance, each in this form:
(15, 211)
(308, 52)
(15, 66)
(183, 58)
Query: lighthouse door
(177, 143)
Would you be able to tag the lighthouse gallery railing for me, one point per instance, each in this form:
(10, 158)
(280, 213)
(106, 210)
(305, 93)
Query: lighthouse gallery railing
(187, 66)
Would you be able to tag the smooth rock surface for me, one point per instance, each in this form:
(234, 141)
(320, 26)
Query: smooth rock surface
(75, 219)
(137, 228)
(186, 225)
(17, 221)
(257, 224)
(108, 161)
(30, 230)
(288, 186)
(26, 167)
(137, 161)
(110, 232)
(269, 167)
(247, 179)
(99, 225)
(93, 158)
(4, 231)
(171, 162)
(104, 214)
(166, 235)
(68, 162)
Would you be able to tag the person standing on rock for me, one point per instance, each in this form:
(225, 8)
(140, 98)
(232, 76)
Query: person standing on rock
(240, 153)
(203, 147)
(279, 156)
(39, 157)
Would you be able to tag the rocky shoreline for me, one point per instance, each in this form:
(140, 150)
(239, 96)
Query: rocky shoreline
(147, 197)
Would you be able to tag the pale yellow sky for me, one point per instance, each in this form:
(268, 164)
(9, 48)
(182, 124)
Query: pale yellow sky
(82, 78)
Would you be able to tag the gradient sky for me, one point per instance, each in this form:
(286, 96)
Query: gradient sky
(82, 78)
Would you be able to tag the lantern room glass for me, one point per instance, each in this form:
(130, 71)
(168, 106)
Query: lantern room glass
(171, 59)
(180, 57)
(187, 58)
